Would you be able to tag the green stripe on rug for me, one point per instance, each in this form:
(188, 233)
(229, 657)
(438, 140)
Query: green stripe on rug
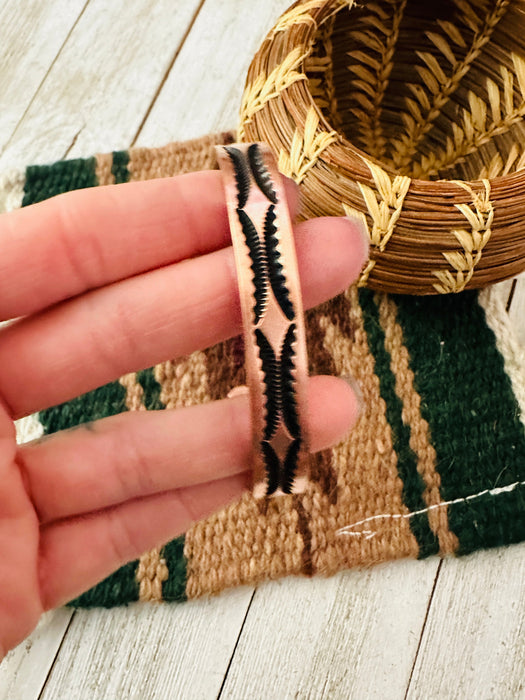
(44, 181)
(120, 588)
(174, 589)
(107, 400)
(152, 390)
(413, 484)
(467, 400)
(119, 169)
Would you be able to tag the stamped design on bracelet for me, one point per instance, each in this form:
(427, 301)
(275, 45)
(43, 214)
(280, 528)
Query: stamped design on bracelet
(272, 317)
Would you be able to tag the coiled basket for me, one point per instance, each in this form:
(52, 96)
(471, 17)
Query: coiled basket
(409, 114)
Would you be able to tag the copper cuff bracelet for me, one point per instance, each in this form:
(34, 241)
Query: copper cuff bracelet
(272, 314)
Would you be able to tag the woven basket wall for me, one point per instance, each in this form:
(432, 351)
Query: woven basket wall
(408, 113)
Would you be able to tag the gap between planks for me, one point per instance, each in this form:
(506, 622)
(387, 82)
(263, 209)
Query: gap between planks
(166, 74)
(423, 628)
(236, 644)
(507, 292)
(44, 78)
(57, 651)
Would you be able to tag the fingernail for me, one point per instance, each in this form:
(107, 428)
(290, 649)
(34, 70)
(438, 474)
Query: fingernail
(293, 194)
(291, 182)
(354, 385)
(359, 223)
(240, 390)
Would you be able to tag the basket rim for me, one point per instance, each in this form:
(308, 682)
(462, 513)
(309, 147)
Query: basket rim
(427, 236)
(320, 12)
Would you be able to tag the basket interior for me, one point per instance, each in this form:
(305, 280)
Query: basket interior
(432, 89)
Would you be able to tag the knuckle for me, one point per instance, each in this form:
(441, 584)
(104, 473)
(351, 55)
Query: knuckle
(190, 510)
(133, 468)
(109, 335)
(122, 537)
(83, 253)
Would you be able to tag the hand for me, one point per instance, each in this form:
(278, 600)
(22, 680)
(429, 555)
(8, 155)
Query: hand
(105, 282)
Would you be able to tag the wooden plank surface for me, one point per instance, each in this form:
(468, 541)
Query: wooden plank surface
(105, 75)
(517, 309)
(203, 90)
(473, 645)
(354, 635)
(98, 89)
(149, 652)
(30, 40)
(24, 670)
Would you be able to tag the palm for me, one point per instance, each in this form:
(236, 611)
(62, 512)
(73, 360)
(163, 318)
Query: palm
(86, 274)
(20, 604)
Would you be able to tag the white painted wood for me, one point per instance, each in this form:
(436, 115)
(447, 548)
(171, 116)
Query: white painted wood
(517, 309)
(214, 34)
(148, 651)
(473, 645)
(203, 90)
(503, 291)
(154, 625)
(97, 92)
(24, 669)
(31, 35)
(354, 635)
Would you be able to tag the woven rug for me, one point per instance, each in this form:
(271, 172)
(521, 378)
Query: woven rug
(435, 465)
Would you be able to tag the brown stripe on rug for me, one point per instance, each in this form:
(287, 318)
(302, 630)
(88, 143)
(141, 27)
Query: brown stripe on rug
(222, 554)
(226, 371)
(420, 440)
(365, 463)
(219, 554)
(152, 569)
(225, 367)
(321, 362)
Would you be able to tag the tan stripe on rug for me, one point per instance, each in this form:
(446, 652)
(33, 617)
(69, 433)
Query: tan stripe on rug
(368, 481)
(104, 163)
(175, 158)
(152, 570)
(420, 442)
(219, 554)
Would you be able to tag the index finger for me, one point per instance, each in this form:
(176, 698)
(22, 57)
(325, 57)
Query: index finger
(88, 238)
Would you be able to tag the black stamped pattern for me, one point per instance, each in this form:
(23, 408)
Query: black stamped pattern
(242, 175)
(259, 264)
(260, 173)
(268, 273)
(275, 269)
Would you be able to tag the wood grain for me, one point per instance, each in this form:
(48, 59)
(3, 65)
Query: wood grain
(31, 37)
(473, 645)
(351, 636)
(98, 89)
(517, 309)
(96, 79)
(203, 90)
(24, 670)
(149, 651)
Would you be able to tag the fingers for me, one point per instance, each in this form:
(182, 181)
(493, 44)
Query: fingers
(139, 454)
(75, 554)
(85, 239)
(167, 313)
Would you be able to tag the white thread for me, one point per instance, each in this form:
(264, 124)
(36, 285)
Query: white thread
(349, 529)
